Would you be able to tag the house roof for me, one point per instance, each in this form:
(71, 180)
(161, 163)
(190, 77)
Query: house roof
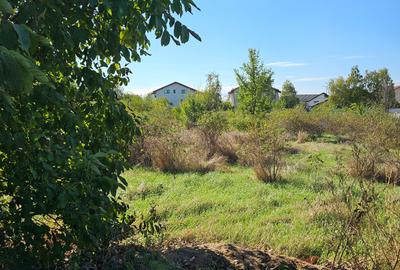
(309, 97)
(237, 88)
(397, 88)
(154, 91)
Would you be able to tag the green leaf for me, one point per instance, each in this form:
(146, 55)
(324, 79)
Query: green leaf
(5, 7)
(100, 155)
(184, 34)
(165, 39)
(18, 71)
(62, 200)
(95, 169)
(9, 37)
(177, 29)
(23, 36)
(195, 35)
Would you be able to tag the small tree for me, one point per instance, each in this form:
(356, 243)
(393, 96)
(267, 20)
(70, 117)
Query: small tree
(255, 85)
(194, 106)
(212, 93)
(212, 125)
(289, 97)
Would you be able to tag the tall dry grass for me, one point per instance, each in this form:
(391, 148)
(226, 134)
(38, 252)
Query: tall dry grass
(185, 151)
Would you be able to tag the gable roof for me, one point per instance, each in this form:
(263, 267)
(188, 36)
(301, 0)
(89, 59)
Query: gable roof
(181, 84)
(237, 88)
(309, 97)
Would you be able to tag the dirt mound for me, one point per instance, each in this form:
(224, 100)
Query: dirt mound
(226, 256)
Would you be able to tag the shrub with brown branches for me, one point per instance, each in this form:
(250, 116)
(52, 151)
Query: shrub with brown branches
(367, 237)
(264, 151)
(182, 152)
(229, 145)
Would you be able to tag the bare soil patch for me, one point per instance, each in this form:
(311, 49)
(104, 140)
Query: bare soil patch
(227, 256)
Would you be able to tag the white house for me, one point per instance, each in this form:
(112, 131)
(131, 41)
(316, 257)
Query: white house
(174, 92)
(312, 100)
(233, 96)
(397, 93)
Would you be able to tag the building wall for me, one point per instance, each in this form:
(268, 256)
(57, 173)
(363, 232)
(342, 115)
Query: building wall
(397, 94)
(174, 93)
(319, 99)
(233, 98)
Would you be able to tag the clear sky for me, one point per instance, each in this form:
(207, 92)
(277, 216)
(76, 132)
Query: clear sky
(305, 41)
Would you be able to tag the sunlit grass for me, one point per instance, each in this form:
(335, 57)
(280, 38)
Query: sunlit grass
(289, 216)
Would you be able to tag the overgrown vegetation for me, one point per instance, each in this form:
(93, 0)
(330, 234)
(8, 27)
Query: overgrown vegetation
(312, 189)
(69, 133)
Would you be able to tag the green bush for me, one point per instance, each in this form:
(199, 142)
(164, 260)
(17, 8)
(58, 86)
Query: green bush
(212, 125)
(296, 120)
(157, 119)
(240, 121)
(58, 181)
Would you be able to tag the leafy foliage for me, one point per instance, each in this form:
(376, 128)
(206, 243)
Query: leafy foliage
(64, 136)
(200, 103)
(255, 85)
(375, 88)
(288, 97)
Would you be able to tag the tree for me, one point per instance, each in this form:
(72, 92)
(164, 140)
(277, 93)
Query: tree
(289, 97)
(64, 135)
(347, 91)
(213, 93)
(200, 103)
(193, 107)
(256, 94)
(380, 87)
(374, 88)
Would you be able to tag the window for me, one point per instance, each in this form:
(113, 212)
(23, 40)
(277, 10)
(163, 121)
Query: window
(174, 91)
(167, 91)
(183, 91)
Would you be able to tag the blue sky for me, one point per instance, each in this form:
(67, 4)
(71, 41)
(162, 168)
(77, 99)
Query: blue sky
(305, 41)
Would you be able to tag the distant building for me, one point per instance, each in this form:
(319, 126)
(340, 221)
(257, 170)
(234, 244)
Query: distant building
(397, 93)
(174, 92)
(312, 100)
(233, 96)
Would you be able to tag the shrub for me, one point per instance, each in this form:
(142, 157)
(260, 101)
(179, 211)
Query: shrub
(157, 119)
(200, 103)
(364, 161)
(212, 125)
(240, 121)
(375, 146)
(296, 120)
(229, 145)
(366, 236)
(265, 151)
(182, 152)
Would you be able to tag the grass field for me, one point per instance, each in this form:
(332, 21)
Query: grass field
(291, 217)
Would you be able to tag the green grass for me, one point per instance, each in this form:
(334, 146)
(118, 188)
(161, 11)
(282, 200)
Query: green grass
(235, 207)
